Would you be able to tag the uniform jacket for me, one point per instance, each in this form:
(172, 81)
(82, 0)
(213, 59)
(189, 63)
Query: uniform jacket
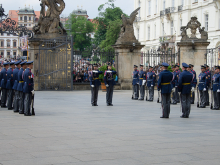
(94, 78)
(151, 78)
(109, 78)
(28, 81)
(3, 78)
(173, 81)
(135, 77)
(209, 77)
(15, 78)
(142, 76)
(10, 82)
(216, 82)
(164, 82)
(176, 77)
(185, 79)
(20, 80)
(203, 80)
(194, 81)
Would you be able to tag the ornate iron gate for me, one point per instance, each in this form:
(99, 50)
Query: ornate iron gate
(55, 64)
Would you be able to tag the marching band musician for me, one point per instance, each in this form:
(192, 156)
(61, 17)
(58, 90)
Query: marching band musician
(216, 88)
(185, 79)
(203, 82)
(94, 83)
(109, 83)
(135, 83)
(151, 78)
(142, 81)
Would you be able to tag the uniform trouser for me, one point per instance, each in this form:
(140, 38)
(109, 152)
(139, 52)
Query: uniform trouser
(207, 96)
(27, 103)
(177, 97)
(21, 102)
(216, 99)
(109, 94)
(142, 91)
(4, 97)
(151, 93)
(165, 102)
(136, 91)
(192, 98)
(10, 98)
(185, 103)
(202, 98)
(16, 100)
(0, 94)
(94, 92)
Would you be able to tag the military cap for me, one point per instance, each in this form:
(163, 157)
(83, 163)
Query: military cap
(29, 62)
(12, 63)
(141, 65)
(185, 65)
(135, 66)
(165, 64)
(216, 67)
(109, 64)
(151, 67)
(95, 64)
(22, 63)
(6, 63)
(203, 67)
(18, 62)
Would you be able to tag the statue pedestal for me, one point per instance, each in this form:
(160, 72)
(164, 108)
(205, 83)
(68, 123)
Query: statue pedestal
(193, 53)
(126, 61)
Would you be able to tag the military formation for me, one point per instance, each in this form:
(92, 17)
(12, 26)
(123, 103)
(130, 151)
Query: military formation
(17, 87)
(178, 86)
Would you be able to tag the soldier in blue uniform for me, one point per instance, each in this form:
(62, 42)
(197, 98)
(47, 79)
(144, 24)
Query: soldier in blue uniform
(109, 83)
(142, 81)
(15, 80)
(173, 86)
(193, 83)
(203, 82)
(135, 83)
(9, 86)
(216, 88)
(164, 84)
(94, 83)
(28, 88)
(176, 78)
(208, 84)
(20, 87)
(151, 78)
(3, 84)
(185, 79)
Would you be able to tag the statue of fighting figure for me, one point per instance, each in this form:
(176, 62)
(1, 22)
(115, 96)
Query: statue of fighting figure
(49, 20)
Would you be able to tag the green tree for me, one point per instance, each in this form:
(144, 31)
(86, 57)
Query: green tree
(105, 18)
(112, 35)
(80, 29)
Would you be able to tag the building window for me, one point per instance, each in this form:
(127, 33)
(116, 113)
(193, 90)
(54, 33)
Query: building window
(149, 7)
(25, 24)
(2, 43)
(2, 34)
(155, 31)
(148, 33)
(14, 44)
(183, 2)
(155, 6)
(25, 18)
(8, 43)
(29, 18)
(173, 3)
(164, 4)
(206, 22)
(171, 25)
(8, 53)
(163, 29)
(2, 53)
(195, 0)
(14, 53)
(21, 18)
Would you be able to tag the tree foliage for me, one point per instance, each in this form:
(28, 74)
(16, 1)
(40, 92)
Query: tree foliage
(80, 28)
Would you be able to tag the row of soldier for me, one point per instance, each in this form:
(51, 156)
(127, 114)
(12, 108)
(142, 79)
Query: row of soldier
(175, 87)
(17, 87)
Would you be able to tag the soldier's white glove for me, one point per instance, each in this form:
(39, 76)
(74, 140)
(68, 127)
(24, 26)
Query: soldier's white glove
(137, 83)
(173, 90)
(107, 85)
(204, 89)
(144, 81)
(175, 86)
(92, 86)
(152, 85)
(32, 92)
(193, 89)
(218, 90)
(109, 71)
(95, 71)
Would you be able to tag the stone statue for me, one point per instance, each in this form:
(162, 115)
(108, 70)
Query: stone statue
(126, 35)
(204, 34)
(184, 33)
(193, 24)
(49, 21)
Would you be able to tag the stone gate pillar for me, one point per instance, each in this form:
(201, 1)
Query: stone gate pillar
(128, 56)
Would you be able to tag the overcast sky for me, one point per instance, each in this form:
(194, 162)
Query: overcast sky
(90, 5)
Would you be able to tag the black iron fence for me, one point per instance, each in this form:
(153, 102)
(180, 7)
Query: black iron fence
(83, 61)
(154, 57)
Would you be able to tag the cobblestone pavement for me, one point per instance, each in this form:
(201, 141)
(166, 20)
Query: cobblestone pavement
(68, 130)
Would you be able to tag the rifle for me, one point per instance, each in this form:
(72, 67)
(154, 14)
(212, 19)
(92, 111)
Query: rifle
(198, 97)
(211, 107)
(32, 105)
